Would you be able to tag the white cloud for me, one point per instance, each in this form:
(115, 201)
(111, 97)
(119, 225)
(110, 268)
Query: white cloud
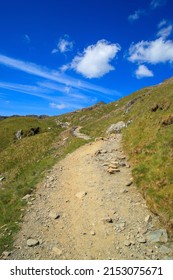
(157, 51)
(143, 71)
(64, 45)
(94, 62)
(136, 15)
(162, 23)
(157, 3)
(58, 106)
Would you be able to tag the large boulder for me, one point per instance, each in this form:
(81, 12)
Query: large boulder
(159, 235)
(19, 134)
(116, 128)
(33, 131)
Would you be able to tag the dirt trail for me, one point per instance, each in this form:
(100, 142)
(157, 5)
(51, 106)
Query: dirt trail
(77, 133)
(81, 211)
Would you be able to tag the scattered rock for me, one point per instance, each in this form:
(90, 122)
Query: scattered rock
(155, 108)
(63, 124)
(54, 215)
(124, 191)
(127, 243)
(32, 242)
(107, 220)
(168, 120)
(97, 153)
(57, 251)
(129, 183)
(81, 194)
(99, 138)
(159, 235)
(148, 219)
(165, 250)
(141, 239)
(113, 165)
(131, 103)
(33, 131)
(112, 170)
(128, 122)
(103, 151)
(2, 179)
(122, 164)
(120, 226)
(116, 128)
(6, 254)
(122, 157)
(26, 197)
(142, 230)
(93, 233)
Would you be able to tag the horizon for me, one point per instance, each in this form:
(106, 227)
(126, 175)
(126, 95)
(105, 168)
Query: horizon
(57, 57)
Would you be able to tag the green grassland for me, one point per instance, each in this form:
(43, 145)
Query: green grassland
(148, 141)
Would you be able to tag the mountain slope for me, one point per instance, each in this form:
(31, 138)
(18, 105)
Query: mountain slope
(147, 140)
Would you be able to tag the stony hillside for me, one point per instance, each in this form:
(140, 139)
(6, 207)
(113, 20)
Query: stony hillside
(29, 146)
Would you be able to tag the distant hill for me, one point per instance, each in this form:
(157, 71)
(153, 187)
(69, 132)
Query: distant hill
(28, 116)
(147, 141)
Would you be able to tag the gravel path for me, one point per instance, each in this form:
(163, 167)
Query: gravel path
(88, 208)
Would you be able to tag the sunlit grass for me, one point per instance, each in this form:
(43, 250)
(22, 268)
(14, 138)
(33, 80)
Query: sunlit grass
(148, 143)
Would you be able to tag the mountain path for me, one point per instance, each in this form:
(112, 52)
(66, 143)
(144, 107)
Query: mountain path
(77, 133)
(82, 211)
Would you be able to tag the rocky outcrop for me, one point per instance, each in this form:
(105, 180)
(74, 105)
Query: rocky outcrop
(168, 121)
(3, 118)
(131, 103)
(63, 124)
(116, 128)
(33, 131)
(19, 134)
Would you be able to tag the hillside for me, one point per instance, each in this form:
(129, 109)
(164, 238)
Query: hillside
(147, 140)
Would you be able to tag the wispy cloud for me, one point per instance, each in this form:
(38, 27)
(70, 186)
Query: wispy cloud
(59, 106)
(64, 45)
(136, 15)
(165, 29)
(62, 79)
(55, 87)
(162, 23)
(50, 93)
(26, 39)
(27, 89)
(154, 4)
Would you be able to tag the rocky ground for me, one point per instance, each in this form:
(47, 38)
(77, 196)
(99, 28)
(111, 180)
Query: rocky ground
(88, 208)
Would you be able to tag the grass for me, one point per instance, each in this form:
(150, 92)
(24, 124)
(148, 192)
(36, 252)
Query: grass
(150, 147)
(23, 163)
(147, 140)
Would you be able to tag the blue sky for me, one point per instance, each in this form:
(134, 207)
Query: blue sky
(57, 56)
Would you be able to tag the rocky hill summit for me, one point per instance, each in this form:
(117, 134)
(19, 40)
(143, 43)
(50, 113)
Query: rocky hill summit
(96, 183)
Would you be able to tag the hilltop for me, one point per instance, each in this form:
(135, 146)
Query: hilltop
(147, 141)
